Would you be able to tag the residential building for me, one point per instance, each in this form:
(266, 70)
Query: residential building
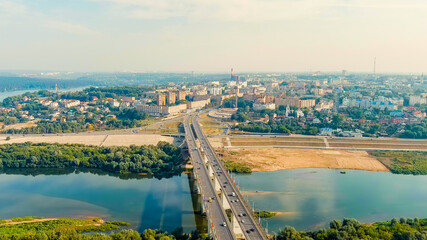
(171, 97)
(161, 99)
(416, 100)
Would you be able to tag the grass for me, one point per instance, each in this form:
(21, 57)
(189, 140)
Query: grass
(57, 225)
(264, 214)
(237, 167)
(21, 219)
(212, 131)
(404, 162)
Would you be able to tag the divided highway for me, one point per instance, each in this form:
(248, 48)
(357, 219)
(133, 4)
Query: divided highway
(249, 225)
(215, 213)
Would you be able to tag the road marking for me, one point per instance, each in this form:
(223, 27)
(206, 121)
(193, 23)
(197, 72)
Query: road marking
(228, 142)
(103, 141)
(326, 142)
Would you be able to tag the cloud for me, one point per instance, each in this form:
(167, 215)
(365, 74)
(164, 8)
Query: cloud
(70, 28)
(385, 4)
(248, 10)
(222, 10)
(11, 8)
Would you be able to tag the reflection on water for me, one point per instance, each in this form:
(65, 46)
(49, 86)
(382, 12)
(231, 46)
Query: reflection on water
(310, 198)
(145, 202)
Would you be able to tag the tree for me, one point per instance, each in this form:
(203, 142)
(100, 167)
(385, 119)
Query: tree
(335, 224)
(337, 119)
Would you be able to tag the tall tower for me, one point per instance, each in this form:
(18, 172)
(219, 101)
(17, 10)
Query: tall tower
(56, 89)
(231, 77)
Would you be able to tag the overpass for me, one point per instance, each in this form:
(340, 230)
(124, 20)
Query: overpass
(218, 190)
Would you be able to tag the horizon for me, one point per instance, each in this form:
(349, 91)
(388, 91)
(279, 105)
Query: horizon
(34, 72)
(209, 36)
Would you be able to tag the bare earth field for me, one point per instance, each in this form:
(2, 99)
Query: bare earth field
(273, 159)
(320, 143)
(19, 125)
(97, 140)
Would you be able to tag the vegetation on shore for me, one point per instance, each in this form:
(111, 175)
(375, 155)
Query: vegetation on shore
(78, 229)
(160, 159)
(39, 228)
(237, 167)
(264, 214)
(404, 162)
(352, 229)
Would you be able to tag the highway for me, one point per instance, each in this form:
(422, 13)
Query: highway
(248, 223)
(215, 213)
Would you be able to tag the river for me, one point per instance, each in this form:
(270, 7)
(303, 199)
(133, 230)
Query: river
(4, 95)
(310, 198)
(145, 203)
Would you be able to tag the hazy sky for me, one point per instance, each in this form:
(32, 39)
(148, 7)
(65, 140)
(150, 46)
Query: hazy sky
(213, 35)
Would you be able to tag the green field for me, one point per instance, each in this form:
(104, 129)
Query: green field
(404, 162)
(39, 228)
(237, 167)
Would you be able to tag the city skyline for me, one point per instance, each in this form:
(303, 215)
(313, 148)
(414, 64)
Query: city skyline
(212, 36)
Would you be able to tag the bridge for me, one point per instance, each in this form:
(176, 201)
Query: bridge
(219, 193)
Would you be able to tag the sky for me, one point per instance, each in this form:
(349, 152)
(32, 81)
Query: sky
(213, 35)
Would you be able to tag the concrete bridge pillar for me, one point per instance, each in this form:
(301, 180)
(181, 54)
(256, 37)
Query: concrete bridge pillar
(224, 201)
(217, 185)
(210, 171)
(235, 227)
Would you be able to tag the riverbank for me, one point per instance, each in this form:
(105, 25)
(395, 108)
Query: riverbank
(274, 159)
(25, 227)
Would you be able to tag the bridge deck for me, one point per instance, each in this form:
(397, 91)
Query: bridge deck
(248, 223)
(215, 213)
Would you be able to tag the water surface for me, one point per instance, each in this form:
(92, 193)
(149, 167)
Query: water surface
(145, 203)
(311, 198)
(4, 95)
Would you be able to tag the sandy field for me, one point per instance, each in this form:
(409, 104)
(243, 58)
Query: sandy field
(273, 159)
(18, 125)
(97, 140)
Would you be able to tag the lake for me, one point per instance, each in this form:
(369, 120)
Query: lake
(310, 198)
(145, 203)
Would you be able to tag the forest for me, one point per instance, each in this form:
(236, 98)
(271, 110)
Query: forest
(348, 229)
(164, 158)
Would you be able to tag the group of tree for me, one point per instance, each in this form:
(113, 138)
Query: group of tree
(106, 92)
(164, 158)
(71, 234)
(417, 131)
(36, 228)
(50, 127)
(349, 229)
